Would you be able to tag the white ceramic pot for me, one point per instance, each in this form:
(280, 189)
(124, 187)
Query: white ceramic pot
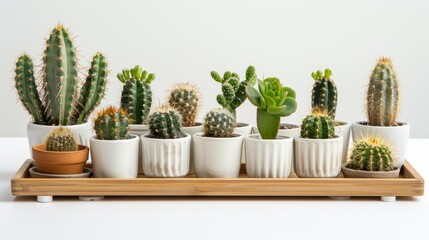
(166, 157)
(268, 158)
(37, 133)
(396, 136)
(139, 130)
(318, 158)
(244, 130)
(199, 127)
(217, 157)
(115, 158)
(343, 130)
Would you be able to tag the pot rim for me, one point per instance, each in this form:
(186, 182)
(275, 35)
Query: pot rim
(334, 139)
(54, 126)
(380, 173)
(135, 138)
(362, 124)
(138, 126)
(234, 136)
(42, 148)
(166, 139)
(342, 123)
(279, 138)
(197, 125)
(243, 125)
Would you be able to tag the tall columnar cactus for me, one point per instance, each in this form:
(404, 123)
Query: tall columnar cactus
(136, 96)
(273, 101)
(111, 123)
(61, 140)
(372, 154)
(318, 125)
(185, 98)
(324, 95)
(164, 123)
(61, 103)
(383, 95)
(219, 123)
(234, 91)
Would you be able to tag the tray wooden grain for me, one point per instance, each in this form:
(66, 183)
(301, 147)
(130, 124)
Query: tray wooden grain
(410, 183)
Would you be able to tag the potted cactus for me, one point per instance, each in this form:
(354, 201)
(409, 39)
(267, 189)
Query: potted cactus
(371, 158)
(218, 149)
(57, 100)
(382, 107)
(268, 154)
(114, 152)
(166, 149)
(318, 152)
(60, 154)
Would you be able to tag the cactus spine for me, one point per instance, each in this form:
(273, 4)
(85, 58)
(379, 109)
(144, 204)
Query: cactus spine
(136, 96)
(164, 123)
(234, 91)
(111, 123)
(318, 125)
(383, 95)
(185, 98)
(61, 140)
(324, 94)
(371, 154)
(219, 123)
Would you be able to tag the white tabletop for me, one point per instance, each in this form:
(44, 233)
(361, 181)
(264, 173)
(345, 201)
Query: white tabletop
(210, 217)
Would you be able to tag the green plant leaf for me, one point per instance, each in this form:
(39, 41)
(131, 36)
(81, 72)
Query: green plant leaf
(290, 92)
(276, 110)
(290, 105)
(261, 87)
(253, 96)
(270, 101)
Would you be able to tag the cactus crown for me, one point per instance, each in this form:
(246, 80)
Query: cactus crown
(137, 73)
(324, 94)
(318, 125)
(185, 98)
(164, 123)
(382, 97)
(111, 123)
(372, 154)
(61, 140)
(219, 123)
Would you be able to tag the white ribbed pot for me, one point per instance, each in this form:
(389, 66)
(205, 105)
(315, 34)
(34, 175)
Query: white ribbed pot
(396, 136)
(244, 130)
(268, 158)
(343, 129)
(37, 133)
(166, 157)
(198, 127)
(217, 157)
(318, 158)
(115, 158)
(139, 130)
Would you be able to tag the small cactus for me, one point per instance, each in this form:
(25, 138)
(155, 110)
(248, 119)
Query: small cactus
(324, 94)
(382, 96)
(185, 98)
(61, 140)
(318, 125)
(111, 123)
(164, 123)
(371, 154)
(219, 123)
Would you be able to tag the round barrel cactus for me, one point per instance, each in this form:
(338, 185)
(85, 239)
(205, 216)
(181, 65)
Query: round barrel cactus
(111, 123)
(61, 140)
(219, 123)
(164, 123)
(372, 154)
(318, 125)
(185, 98)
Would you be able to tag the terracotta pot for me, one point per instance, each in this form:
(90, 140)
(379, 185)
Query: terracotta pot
(60, 162)
(351, 173)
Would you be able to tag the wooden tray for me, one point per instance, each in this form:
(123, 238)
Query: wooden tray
(409, 183)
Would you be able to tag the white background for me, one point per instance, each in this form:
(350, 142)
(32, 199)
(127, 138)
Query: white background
(182, 41)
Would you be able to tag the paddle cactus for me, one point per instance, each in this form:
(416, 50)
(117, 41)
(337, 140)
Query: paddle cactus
(324, 94)
(61, 140)
(61, 103)
(234, 91)
(219, 123)
(318, 125)
(164, 123)
(383, 95)
(185, 98)
(136, 96)
(372, 154)
(111, 123)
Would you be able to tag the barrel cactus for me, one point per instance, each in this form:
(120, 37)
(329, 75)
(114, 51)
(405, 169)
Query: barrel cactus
(324, 94)
(382, 97)
(61, 102)
(111, 123)
(233, 90)
(318, 125)
(136, 96)
(164, 123)
(185, 98)
(61, 140)
(371, 154)
(219, 123)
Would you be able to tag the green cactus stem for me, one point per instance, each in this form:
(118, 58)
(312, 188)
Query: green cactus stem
(219, 123)
(111, 123)
(324, 94)
(371, 154)
(318, 125)
(164, 123)
(185, 98)
(61, 140)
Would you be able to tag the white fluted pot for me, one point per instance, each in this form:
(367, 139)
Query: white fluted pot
(343, 129)
(191, 131)
(268, 158)
(318, 158)
(139, 130)
(166, 157)
(217, 157)
(244, 130)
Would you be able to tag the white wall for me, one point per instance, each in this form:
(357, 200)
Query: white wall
(184, 40)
